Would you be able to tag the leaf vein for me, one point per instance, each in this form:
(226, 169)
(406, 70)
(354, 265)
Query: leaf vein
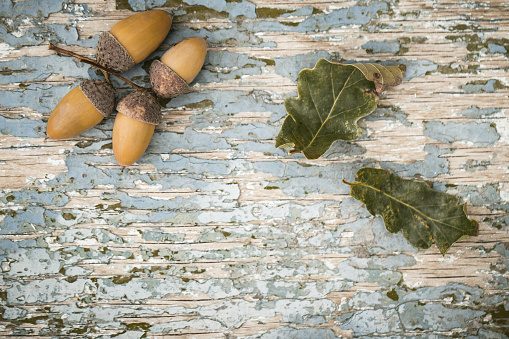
(314, 104)
(328, 116)
(348, 111)
(340, 92)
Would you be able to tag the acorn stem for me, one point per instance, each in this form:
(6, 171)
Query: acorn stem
(94, 64)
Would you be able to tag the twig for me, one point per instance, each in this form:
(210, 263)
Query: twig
(94, 64)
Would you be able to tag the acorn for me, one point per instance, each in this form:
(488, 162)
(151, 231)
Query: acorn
(81, 109)
(133, 39)
(178, 67)
(138, 114)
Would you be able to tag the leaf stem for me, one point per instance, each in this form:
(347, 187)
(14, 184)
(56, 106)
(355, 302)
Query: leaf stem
(349, 183)
(94, 64)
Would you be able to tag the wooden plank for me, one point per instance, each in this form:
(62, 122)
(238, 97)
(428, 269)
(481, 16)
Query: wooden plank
(214, 233)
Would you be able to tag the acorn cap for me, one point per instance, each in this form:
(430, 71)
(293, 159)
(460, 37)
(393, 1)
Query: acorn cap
(101, 94)
(111, 54)
(166, 82)
(142, 106)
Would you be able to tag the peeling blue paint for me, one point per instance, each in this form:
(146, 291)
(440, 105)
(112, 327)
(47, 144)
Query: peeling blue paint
(244, 66)
(417, 68)
(40, 98)
(32, 69)
(355, 15)
(389, 113)
(291, 66)
(432, 165)
(302, 11)
(495, 48)
(373, 321)
(479, 133)
(241, 36)
(44, 291)
(283, 258)
(22, 127)
(34, 11)
(435, 317)
(31, 8)
(475, 112)
(489, 86)
(386, 46)
(24, 221)
(13, 313)
(289, 332)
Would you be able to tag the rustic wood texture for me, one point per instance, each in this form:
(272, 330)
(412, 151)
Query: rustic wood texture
(214, 233)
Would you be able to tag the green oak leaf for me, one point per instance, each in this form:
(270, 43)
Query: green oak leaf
(421, 213)
(332, 98)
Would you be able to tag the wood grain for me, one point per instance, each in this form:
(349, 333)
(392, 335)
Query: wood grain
(214, 233)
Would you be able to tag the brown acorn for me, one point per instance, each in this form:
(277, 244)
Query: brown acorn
(133, 39)
(138, 114)
(81, 109)
(178, 67)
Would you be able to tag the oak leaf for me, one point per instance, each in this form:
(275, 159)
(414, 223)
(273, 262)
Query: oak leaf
(421, 213)
(331, 99)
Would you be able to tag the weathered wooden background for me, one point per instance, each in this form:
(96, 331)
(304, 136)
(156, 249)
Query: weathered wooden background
(214, 233)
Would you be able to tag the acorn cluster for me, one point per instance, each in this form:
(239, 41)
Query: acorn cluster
(129, 42)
